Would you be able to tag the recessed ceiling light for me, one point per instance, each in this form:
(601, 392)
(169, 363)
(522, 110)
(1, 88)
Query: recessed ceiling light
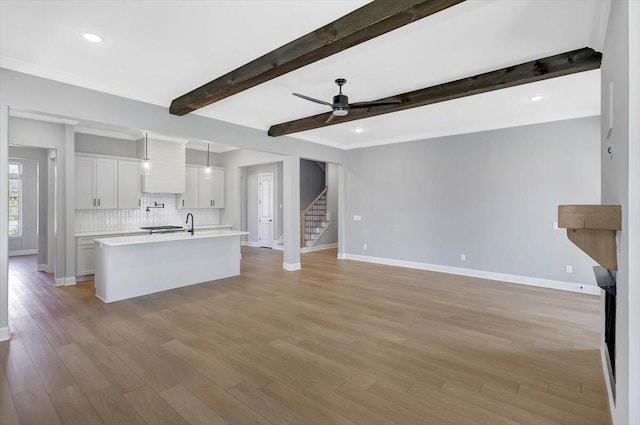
(94, 38)
(536, 98)
(359, 130)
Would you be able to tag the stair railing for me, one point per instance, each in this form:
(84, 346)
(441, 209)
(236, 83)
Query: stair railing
(304, 212)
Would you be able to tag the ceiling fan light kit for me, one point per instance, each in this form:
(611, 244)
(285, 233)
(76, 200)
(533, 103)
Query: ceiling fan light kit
(341, 105)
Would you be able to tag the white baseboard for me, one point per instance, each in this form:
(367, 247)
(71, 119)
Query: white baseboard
(65, 281)
(5, 333)
(243, 243)
(342, 256)
(291, 267)
(253, 244)
(306, 249)
(511, 278)
(23, 252)
(278, 247)
(43, 268)
(84, 278)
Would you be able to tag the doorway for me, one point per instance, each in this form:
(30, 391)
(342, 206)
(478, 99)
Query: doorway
(32, 205)
(266, 210)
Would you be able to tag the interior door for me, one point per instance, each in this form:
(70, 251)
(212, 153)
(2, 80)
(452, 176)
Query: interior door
(266, 210)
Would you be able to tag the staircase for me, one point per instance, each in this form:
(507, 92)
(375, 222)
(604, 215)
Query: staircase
(313, 220)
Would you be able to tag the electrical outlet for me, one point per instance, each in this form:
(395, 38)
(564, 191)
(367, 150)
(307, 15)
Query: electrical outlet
(569, 269)
(357, 218)
(555, 225)
(463, 257)
(364, 247)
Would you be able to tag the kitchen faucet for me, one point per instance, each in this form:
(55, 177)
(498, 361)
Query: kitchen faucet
(187, 222)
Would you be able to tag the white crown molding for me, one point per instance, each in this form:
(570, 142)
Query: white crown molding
(503, 277)
(105, 133)
(18, 113)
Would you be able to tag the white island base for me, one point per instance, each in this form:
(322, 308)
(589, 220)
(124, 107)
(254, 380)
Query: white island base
(132, 266)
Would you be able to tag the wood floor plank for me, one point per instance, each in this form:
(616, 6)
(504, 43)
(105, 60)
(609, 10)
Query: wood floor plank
(339, 342)
(116, 371)
(153, 409)
(207, 365)
(229, 407)
(34, 407)
(19, 370)
(190, 407)
(7, 408)
(113, 408)
(86, 374)
(51, 370)
(306, 406)
(344, 407)
(73, 407)
(266, 406)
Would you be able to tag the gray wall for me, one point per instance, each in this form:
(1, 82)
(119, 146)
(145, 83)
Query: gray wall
(100, 145)
(28, 240)
(250, 179)
(492, 196)
(233, 162)
(312, 181)
(330, 236)
(198, 157)
(621, 185)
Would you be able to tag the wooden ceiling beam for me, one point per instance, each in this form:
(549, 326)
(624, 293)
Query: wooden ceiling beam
(567, 63)
(365, 23)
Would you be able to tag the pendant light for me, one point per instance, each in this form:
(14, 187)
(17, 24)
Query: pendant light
(207, 169)
(145, 164)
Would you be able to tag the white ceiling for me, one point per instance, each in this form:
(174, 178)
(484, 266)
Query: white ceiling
(155, 51)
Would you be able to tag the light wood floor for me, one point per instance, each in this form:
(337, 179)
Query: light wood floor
(339, 342)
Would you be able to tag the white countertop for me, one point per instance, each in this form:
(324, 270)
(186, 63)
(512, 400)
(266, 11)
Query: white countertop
(134, 231)
(167, 237)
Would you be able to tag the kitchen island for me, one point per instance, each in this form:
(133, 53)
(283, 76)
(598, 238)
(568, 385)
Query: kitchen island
(131, 266)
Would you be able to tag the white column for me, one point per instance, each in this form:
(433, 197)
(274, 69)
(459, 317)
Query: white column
(70, 205)
(5, 333)
(291, 225)
(342, 212)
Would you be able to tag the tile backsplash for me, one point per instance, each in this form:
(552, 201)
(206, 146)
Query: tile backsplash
(110, 220)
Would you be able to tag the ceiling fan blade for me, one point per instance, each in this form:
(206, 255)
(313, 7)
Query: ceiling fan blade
(375, 103)
(330, 118)
(322, 102)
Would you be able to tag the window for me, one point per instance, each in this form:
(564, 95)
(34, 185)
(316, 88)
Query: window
(15, 199)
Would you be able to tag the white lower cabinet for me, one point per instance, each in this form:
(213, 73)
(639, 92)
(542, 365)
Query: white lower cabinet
(85, 252)
(85, 249)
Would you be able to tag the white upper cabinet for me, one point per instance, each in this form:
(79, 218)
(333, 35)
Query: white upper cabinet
(107, 183)
(96, 181)
(189, 199)
(167, 166)
(218, 188)
(128, 184)
(201, 192)
(85, 183)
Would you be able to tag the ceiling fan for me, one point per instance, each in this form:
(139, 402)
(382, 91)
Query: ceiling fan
(341, 105)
